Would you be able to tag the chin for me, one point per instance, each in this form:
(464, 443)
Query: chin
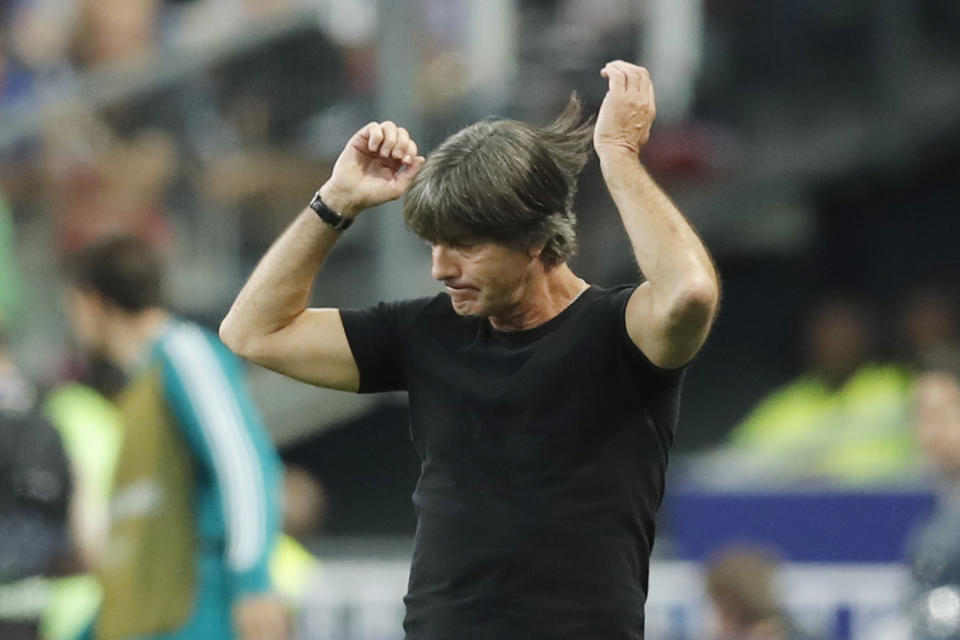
(463, 309)
(467, 308)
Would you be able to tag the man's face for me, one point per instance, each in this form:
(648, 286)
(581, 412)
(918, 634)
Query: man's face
(484, 279)
(87, 314)
(937, 420)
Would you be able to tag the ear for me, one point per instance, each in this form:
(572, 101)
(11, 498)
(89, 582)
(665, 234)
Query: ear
(535, 252)
(92, 302)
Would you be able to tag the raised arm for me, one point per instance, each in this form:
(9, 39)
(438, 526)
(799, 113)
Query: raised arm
(669, 316)
(269, 322)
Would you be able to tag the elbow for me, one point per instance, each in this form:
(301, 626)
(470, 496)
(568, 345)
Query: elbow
(691, 315)
(696, 304)
(682, 322)
(233, 336)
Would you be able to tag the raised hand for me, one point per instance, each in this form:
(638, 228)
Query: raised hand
(378, 165)
(628, 109)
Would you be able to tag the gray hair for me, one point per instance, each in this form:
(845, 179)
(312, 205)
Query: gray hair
(506, 182)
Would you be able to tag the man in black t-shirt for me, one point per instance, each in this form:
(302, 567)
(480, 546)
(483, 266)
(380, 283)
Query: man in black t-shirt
(543, 408)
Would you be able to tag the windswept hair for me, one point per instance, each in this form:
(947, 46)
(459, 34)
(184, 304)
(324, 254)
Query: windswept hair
(124, 269)
(506, 182)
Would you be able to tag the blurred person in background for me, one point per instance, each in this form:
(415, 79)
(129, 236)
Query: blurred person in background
(194, 503)
(35, 491)
(843, 420)
(271, 118)
(744, 603)
(100, 183)
(107, 169)
(90, 427)
(293, 568)
(110, 32)
(928, 323)
(304, 503)
(935, 549)
(543, 408)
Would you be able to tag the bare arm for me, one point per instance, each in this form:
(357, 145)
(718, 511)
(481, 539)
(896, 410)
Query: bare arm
(269, 322)
(669, 316)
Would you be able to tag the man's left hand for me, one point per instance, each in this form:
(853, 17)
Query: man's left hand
(260, 617)
(627, 112)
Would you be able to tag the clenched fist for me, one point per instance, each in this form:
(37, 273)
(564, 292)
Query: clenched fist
(627, 112)
(378, 165)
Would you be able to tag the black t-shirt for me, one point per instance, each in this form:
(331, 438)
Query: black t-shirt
(544, 453)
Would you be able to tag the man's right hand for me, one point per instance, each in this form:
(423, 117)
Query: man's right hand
(378, 164)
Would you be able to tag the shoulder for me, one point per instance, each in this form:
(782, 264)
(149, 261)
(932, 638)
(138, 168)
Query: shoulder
(607, 307)
(875, 376)
(417, 308)
(613, 298)
(401, 314)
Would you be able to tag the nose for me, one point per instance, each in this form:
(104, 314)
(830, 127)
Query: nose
(444, 263)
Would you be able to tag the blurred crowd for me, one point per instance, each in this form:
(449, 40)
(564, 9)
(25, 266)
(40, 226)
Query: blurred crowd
(142, 155)
(845, 419)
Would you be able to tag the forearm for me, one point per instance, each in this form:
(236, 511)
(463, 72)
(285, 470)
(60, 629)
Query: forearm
(667, 249)
(278, 291)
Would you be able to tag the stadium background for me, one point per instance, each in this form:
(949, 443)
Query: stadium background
(815, 146)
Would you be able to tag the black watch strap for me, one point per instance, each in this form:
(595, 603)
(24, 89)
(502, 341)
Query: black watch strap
(328, 215)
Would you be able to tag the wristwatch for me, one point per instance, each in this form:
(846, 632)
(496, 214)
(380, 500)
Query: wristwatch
(328, 215)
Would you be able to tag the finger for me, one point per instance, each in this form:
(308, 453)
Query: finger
(361, 138)
(410, 171)
(626, 67)
(641, 80)
(616, 77)
(374, 137)
(411, 152)
(633, 74)
(648, 89)
(389, 138)
(400, 148)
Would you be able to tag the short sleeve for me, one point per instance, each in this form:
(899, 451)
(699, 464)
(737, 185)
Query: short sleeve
(662, 387)
(378, 336)
(616, 304)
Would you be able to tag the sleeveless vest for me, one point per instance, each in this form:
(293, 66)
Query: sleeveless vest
(148, 572)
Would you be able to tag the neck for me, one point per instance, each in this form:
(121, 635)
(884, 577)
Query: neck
(130, 334)
(540, 299)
